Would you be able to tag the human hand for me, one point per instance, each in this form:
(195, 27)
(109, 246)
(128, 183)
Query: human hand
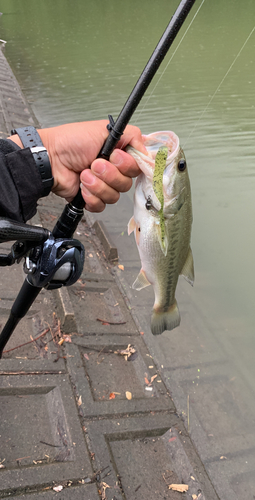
(73, 149)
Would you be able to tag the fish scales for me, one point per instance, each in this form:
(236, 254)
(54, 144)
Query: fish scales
(168, 203)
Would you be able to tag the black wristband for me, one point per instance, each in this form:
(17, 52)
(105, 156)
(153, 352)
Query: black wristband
(31, 139)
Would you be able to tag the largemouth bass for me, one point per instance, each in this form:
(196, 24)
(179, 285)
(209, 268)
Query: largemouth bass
(162, 224)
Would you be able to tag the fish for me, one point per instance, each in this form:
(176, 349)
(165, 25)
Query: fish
(162, 224)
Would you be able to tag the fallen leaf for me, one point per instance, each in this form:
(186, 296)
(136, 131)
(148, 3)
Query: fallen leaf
(90, 254)
(79, 402)
(104, 486)
(112, 395)
(86, 356)
(128, 395)
(146, 381)
(223, 458)
(126, 352)
(153, 378)
(120, 266)
(67, 338)
(182, 488)
(58, 488)
(194, 497)
(2, 466)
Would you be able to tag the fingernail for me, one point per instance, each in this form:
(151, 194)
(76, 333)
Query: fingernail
(116, 158)
(99, 167)
(88, 178)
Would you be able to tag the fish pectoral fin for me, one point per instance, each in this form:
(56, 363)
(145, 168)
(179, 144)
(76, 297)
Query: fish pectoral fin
(163, 239)
(168, 320)
(141, 281)
(131, 225)
(188, 269)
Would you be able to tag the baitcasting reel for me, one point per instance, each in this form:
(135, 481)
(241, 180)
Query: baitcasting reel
(49, 263)
(58, 263)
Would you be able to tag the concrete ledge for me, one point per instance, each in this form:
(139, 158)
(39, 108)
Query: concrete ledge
(111, 251)
(65, 310)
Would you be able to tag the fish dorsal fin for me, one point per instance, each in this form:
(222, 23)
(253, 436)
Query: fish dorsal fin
(131, 225)
(188, 269)
(141, 281)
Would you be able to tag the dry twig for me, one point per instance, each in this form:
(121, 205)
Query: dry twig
(29, 342)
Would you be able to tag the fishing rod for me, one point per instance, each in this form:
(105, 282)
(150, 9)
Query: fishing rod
(55, 259)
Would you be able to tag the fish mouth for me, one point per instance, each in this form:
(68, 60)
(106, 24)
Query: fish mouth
(154, 141)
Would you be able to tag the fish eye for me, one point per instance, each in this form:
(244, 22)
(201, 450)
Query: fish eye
(182, 165)
(148, 203)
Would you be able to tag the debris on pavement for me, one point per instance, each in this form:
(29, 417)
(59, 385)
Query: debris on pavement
(182, 488)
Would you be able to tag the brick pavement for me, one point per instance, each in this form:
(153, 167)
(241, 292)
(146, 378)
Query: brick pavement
(75, 413)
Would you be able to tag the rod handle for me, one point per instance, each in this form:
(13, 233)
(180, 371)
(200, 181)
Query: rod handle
(12, 230)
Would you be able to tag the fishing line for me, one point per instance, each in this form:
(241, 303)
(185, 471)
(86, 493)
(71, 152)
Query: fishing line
(221, 82)
(153, 90)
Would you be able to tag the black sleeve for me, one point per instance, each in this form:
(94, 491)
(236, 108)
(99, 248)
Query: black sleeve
(20, 182)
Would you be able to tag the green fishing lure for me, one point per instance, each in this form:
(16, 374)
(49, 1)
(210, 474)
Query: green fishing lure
(160, 165)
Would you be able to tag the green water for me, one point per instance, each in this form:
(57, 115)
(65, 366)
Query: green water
(80, 60)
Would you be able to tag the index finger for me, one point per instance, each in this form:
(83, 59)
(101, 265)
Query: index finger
(133, 136)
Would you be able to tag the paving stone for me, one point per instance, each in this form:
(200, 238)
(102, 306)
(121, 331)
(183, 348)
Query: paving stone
(142, 457)
(86, 492)
(226, 391)
(39, 319)
(31, 366)
(106, 311)
(102, 378)
(235, 475)
(41, 439)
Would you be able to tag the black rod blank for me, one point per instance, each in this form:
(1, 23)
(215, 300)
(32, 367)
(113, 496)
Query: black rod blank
(148, 73)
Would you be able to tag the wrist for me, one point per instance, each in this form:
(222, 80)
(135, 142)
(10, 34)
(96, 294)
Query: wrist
(28, 137)
(15, 138)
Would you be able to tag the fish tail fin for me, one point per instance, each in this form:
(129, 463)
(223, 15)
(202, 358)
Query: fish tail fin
(161, 321)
